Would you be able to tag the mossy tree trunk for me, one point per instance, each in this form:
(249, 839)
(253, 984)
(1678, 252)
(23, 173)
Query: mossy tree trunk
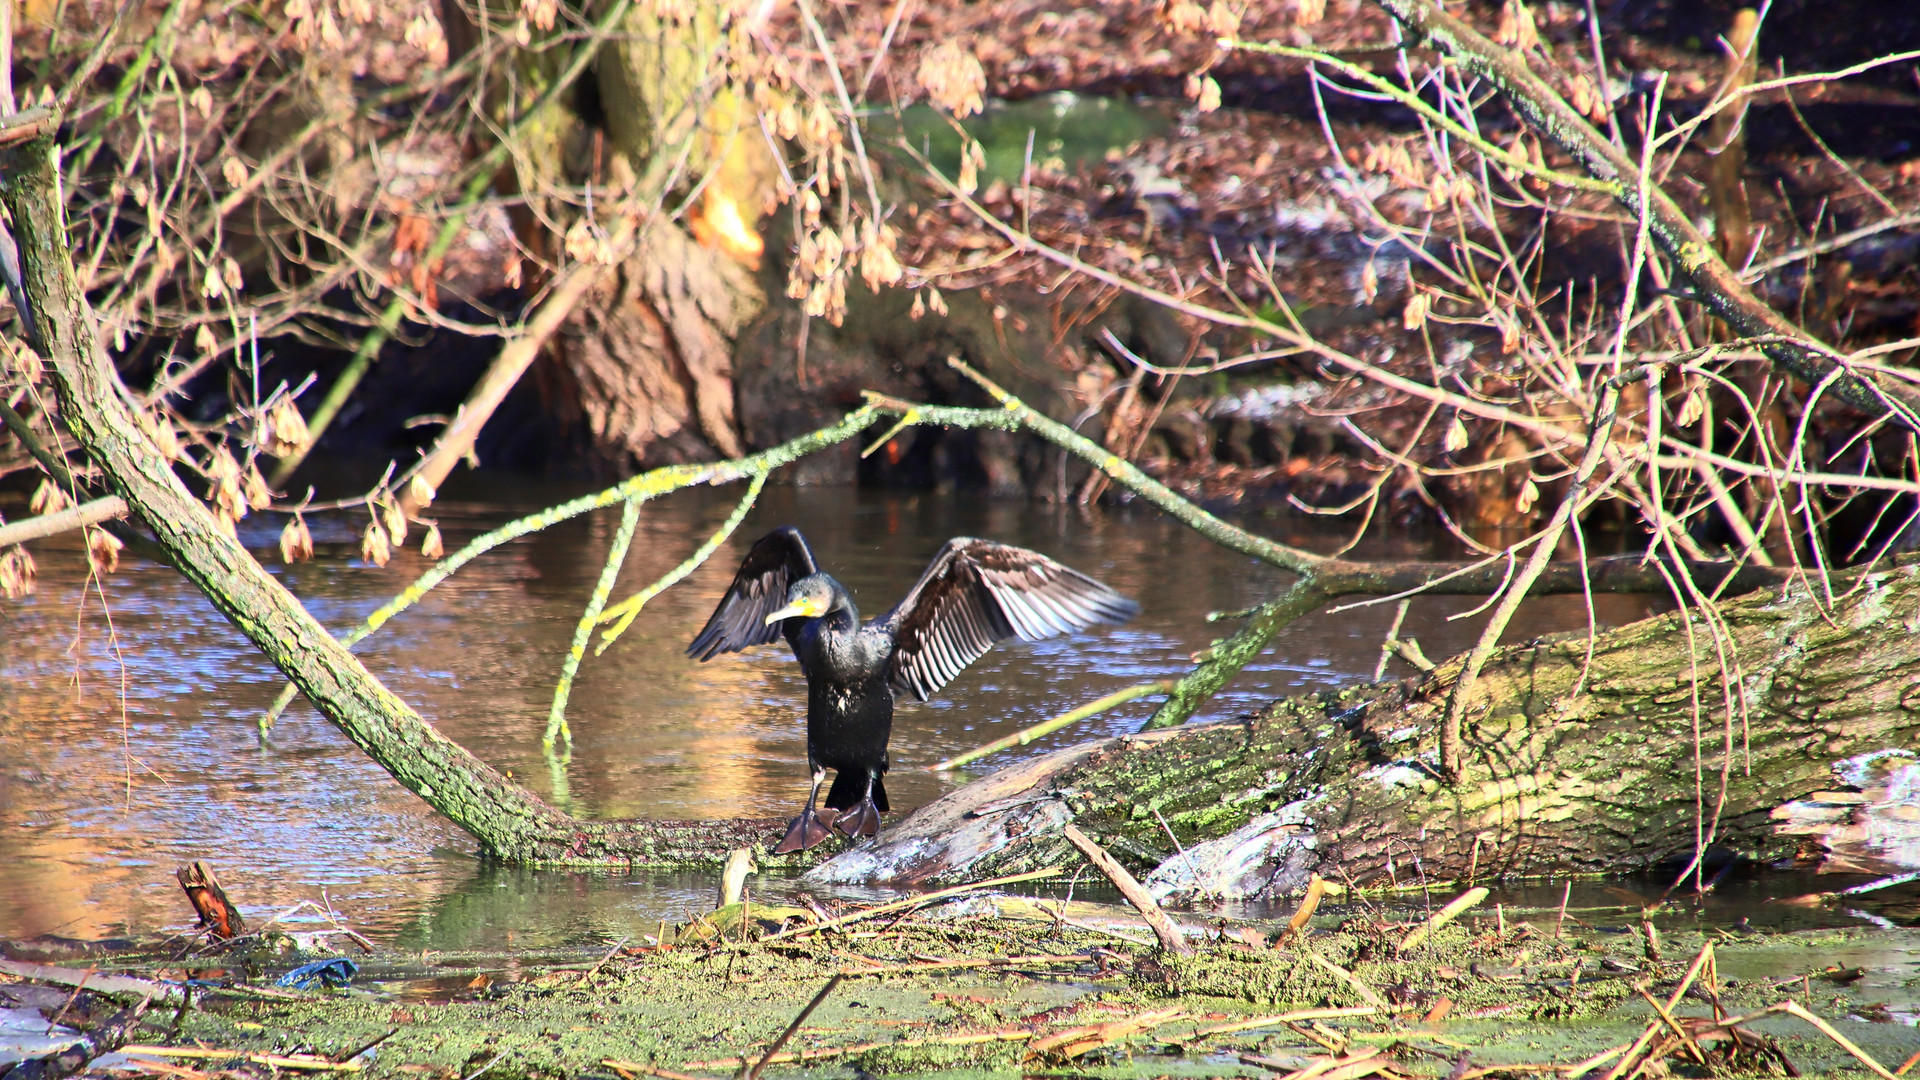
(647, 360)
(1563, 772)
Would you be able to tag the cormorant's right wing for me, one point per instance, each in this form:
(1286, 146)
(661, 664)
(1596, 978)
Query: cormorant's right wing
(775, 562)
(977, 592)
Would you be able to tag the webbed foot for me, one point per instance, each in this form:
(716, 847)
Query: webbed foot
(811, 828)
(862, 819)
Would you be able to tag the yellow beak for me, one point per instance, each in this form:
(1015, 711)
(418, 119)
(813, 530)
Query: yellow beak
(799, 608)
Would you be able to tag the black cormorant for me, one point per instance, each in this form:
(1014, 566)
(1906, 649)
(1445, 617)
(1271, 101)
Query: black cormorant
(973, 594)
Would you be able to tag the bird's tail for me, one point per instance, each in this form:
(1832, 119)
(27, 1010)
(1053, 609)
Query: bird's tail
(849, 785)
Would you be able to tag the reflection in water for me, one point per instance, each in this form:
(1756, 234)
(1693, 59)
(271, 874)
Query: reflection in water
(128, 743)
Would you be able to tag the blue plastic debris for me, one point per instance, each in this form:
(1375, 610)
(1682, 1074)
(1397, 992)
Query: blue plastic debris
(335, 973)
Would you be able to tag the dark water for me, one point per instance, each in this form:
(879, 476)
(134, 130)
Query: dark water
(128, 707)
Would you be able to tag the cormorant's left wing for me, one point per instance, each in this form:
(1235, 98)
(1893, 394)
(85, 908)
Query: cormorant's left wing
(977, 592)
(739, 621)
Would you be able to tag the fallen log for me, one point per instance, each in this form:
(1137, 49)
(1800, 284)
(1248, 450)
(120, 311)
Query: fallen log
(1612, 766)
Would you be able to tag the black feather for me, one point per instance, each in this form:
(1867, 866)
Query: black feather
(977, 593)
(774, 563)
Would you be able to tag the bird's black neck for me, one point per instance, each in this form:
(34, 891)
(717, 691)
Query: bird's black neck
(841, 616)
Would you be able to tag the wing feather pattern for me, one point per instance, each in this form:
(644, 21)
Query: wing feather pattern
(976, 593)
(774, 563)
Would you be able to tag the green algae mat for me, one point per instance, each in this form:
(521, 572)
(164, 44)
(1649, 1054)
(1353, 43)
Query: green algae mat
(1007, 986)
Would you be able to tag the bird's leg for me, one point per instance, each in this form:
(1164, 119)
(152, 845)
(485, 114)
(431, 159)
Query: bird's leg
(863, 818)
(809, 828)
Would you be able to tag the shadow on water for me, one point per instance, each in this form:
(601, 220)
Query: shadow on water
(128, 707)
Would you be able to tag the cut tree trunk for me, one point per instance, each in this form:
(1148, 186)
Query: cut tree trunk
(1613, 772)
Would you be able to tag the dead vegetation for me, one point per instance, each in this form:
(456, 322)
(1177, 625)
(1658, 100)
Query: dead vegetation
(980, 980)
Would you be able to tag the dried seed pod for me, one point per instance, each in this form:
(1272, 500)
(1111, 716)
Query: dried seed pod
(1457, 438)
(393, 518)
(330, 31)
(296, 542)
(374, 547)
(1184, 16)
(919, 308)
(1516, 28)
(936, 303)
(221, 463)
(1529, 495)
(1208, 99)
(953, 78)
(1692, 408)
(28, 363)
(973, 158)
(419, 492)
(877, 265)
(579, 241)
(1414, 315)
(16, 572)
(234, 171)
(1223, 20)
(1586, 98)
(431, 545)
(1370, 281)
(228, 500)
(48, 498)
(539, 12)
(254, 486)
(103, 551)
(286, 433)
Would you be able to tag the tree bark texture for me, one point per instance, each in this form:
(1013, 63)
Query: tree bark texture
(650, 356)
(1602, 779)
(651, 352)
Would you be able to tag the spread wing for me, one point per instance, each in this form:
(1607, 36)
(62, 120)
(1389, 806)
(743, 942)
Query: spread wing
(977, 592)
(776, 561)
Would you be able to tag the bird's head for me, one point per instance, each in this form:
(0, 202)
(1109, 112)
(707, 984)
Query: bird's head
(809, 598)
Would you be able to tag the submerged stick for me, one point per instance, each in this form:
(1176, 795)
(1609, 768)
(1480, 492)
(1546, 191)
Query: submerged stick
(754, 1073)
(824, 1052)
(1136, 894)
(1285, 1018)
(1793, 1008)
(626, 1067)
(914, 901)
(1065, 719)
(961, 965)
(1444, 916)
(1371, 996)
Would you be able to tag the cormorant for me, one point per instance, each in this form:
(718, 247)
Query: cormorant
(973, 594)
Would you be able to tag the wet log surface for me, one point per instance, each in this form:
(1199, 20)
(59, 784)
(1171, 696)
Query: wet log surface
(1563, 773)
